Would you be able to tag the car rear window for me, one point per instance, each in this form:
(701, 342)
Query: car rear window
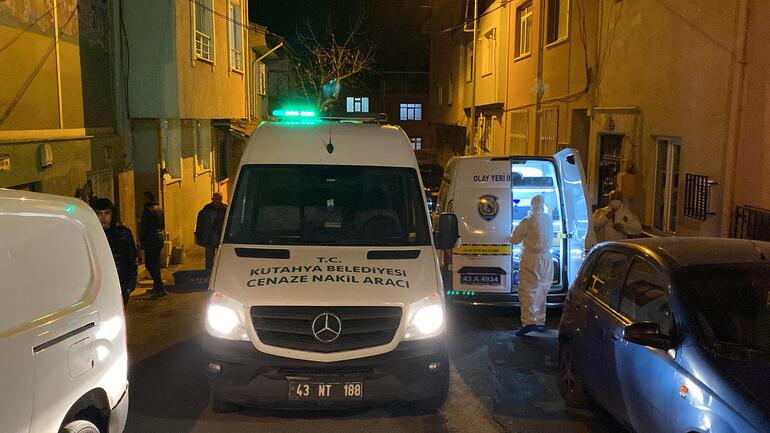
(730, 304)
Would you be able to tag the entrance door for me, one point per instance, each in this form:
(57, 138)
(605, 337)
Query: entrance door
(610, 154)
(577, 224)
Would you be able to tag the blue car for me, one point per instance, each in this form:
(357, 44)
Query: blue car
(671, 335)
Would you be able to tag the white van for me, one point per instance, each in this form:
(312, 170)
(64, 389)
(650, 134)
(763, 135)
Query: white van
(62, 327)
(326, 289)
(489, 196)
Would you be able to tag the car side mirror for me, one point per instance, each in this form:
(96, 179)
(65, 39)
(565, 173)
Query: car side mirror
(448, 232)
(647, 334)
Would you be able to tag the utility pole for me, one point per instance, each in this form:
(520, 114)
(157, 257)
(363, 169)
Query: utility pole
(473, 75)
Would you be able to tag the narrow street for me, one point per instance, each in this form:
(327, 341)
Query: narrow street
(499, 383)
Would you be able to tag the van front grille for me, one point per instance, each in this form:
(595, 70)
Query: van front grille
(292, 327)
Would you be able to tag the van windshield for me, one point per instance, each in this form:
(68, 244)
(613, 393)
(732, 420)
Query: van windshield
(327, 205)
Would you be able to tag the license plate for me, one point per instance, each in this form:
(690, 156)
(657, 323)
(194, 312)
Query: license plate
(480, 279)
(319, 391)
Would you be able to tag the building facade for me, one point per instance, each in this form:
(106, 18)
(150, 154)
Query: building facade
(663, 100)
(61, 111)
(187, 82)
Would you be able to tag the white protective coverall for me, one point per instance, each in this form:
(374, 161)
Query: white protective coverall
(622, 224)
(535, 231)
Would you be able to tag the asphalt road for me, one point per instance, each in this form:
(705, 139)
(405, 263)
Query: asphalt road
(499, 383)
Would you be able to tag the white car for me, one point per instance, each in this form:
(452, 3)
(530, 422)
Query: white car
(62, 326)
(326, 289)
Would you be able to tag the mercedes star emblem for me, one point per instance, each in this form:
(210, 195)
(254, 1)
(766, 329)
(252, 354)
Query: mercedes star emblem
(327, 327)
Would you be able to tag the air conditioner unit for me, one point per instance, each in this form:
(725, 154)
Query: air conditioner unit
(46, 155)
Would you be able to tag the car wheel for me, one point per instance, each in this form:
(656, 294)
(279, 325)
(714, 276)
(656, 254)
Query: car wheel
(222, 406)
(571, 384)
(80, 427)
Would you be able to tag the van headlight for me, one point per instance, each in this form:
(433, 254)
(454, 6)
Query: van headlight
(426, 319)
(224, 318)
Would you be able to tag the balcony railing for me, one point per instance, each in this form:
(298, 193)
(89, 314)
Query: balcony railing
(203, 46)
(752, 223)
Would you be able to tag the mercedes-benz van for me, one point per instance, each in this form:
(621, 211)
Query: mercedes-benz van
(490, 196)
(62, 329)
(326, 288)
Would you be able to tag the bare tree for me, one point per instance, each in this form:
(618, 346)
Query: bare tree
(328, 62)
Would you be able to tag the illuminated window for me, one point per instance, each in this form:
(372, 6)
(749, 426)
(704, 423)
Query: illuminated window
(524, 30)
(262, 79)
(236, 37)
(666, 184)
(356, 104)
(203, 145)
(469, 63)
(172, 148)
(558, 20)
(411, 112)
(416, 143)
(204, 29)
(488, 53)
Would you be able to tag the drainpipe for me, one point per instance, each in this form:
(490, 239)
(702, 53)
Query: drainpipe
(539, 88)
(734, 119)
(473, 76)
(259, 59)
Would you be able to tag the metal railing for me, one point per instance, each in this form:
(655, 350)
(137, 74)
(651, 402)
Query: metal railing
(752, 223)
(697, 196)
(203, 46)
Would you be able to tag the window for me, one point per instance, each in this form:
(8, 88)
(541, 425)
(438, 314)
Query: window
(204, 30)
(416, 143)
(549, 130)
(643, 297)
(27, 293)
(469, 63)
(606, 276)
(358, 104)
(261, 79)
(328, 205)
(172, 148)
(666, 184)
(450, 89)
(519, 131)
(558, 20)
(524, 30)
(411, 111)
(488, 53)
(440, 94)
(203, 145)
(236, 37)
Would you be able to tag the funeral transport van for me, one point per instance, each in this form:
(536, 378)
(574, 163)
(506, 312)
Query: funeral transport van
(490, 196)
(326, 288)
(62, 328)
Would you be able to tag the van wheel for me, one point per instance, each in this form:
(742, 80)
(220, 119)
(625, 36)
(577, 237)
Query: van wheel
(571, 384)
(222, 406)
(80, 427)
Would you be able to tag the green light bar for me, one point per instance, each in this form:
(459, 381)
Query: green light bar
(294, 113)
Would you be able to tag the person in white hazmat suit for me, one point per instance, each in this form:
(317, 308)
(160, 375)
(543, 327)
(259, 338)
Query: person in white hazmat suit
(615, 221)
(535, 232)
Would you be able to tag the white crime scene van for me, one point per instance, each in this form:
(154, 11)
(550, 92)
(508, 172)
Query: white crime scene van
(490, 196)
(62, 327)
(326, 289)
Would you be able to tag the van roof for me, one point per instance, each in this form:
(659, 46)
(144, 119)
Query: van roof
(306, 143)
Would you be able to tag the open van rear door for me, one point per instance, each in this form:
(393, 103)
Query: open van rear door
(578, 225)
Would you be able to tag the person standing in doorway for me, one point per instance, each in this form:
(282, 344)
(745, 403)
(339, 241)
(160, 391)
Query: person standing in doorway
(151, 228)
(122, 245)
(535, 233)
(208, 228)
(615, 221)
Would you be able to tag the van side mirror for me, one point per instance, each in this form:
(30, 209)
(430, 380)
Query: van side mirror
(647, 334)
(448, 233)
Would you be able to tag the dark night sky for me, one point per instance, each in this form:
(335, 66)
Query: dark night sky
(394, 25)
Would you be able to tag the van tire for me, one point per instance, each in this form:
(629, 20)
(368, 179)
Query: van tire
(571, 385)
(222, 406)
(80, 426)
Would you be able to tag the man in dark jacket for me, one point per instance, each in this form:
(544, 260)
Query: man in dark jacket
(151, 235)
(208, 228)
(121, 243)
